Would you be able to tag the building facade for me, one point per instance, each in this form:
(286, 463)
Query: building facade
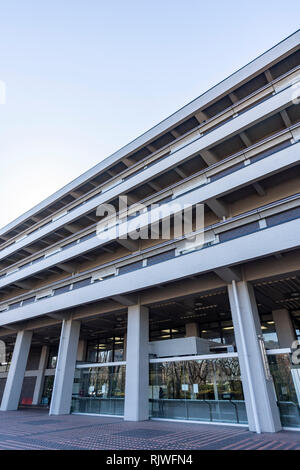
(116, 301)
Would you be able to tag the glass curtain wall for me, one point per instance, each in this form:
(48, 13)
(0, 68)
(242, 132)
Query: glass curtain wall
(286, 377)
(105, 350)
(204, 390)
(47, 390)
(99, 390)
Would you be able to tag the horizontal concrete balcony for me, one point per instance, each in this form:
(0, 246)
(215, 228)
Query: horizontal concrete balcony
(234, 126)
(271, 214)
(276, 237)
(190, 194)
(226, 86)
(261, 149)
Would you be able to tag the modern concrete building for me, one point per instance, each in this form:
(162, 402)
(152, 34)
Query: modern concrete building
(170, 327)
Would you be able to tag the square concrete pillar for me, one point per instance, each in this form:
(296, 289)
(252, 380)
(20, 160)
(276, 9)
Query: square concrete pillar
(14, 382)
(137, 365)
(284, 327)
(124, 346)
(65, 368)
(38, 389)
(81, 352)
(259, 391)
(191, 329)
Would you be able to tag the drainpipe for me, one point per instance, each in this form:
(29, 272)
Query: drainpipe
(251, 390)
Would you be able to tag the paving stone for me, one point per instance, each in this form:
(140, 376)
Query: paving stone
(35, 430)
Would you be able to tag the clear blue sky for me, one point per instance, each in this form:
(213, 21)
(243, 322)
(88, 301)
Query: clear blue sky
(85, 77)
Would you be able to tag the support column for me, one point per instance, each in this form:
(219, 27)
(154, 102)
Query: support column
(137, 365)
(14, 382)
(284, 327)
(260, 398)
(38, 389)
(81, 352)
(65, 368)
(124, 346)
(191, 329)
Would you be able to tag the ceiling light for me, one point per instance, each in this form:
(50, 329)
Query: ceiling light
(295, 294)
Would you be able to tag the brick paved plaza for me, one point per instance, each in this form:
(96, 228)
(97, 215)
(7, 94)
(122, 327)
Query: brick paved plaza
(35, 430)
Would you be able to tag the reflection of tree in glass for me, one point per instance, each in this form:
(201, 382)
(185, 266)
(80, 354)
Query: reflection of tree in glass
(171, 377)
(207, 374)
(198, 372)
(280, 368)
(229, 377)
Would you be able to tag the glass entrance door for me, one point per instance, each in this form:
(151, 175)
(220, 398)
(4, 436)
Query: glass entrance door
(47, 390)
(286, 379)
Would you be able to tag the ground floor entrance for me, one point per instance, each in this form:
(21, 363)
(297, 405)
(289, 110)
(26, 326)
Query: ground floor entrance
(36, 430)
(220, 355)
(204, 389)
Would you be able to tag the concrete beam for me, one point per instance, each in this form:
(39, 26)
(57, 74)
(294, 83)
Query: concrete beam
(260, 269)
(245, 139)
(259, 189)
(229, 274)
(131, 245)
(67, 267)
(126, 300)
(27, 285)
(73, 228)
(285, 118)
(180, 173)
(59, 316)
(201, 116)
(132, 199)
(233, 97)
(218, 207)
(268, 75)
(151, 148)
(126, 162)
(10, 327)
(30, 250)
(208, 157)
(154, 186)
(106, 249)
(175, 133)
